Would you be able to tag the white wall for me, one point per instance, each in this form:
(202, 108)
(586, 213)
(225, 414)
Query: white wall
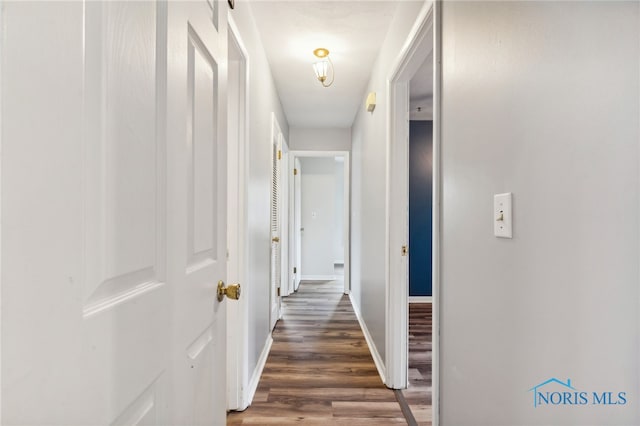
(319, 219)
(263, 101)
(324, 139)
(368, 183)
(541, 99)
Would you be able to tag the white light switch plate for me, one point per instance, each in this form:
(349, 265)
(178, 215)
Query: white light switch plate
(502, 216)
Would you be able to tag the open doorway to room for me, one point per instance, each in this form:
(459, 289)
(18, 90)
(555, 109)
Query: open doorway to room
(322, 221)
(413, 270)
(319, 209)
(418, 393)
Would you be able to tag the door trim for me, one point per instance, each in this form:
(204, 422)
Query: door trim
(417, 47)
(286, 287)
(2, 31)
(295, 215)
(347, 205)
(238, 396)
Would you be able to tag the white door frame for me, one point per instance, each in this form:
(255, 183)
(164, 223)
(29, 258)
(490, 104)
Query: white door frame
(295, 237)
(286, 288)
(2, 31)
(347, 205)
(237, 313)
(417, 47)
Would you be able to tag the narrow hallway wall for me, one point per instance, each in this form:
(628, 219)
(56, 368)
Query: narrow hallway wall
(264, 100)
(326, 139)
(539, 101)
(369, 185)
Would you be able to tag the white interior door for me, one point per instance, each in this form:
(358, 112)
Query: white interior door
(197, 243)
(113, 224)
(276, 252)
(85, 328)
(297, 214)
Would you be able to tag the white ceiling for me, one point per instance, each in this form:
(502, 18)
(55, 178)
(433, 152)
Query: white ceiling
(353, 31)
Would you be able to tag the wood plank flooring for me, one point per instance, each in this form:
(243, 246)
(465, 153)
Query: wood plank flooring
(320, 371)
(418, 394)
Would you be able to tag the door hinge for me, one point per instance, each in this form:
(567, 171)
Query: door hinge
(295, 172)
(295, 269)
(405, 250)
(278, 291)
(279, 155)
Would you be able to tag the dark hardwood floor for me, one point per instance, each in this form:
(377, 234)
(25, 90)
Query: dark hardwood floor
(320, 371)
(418, 394)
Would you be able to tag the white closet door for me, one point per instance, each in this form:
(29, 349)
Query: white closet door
(276, 247)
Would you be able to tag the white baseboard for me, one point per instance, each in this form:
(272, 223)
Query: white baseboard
(377, 359)
(420, 299)
(257, 372)
(319, 277)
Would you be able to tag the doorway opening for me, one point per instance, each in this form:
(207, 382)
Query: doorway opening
(319, 211)
(412, 200)
(418, 394)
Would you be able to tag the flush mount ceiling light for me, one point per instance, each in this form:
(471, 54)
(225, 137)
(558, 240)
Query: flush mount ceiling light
(322, 66)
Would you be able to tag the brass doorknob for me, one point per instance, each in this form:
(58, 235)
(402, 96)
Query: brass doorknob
(232, 291)
(275, 239)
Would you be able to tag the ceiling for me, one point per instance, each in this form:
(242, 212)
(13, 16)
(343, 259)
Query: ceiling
(353, 31)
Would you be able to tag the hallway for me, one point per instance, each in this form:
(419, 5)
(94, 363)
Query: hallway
(320, 370)
(147, 166)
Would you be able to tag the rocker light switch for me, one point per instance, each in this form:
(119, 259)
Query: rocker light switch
(502, 216)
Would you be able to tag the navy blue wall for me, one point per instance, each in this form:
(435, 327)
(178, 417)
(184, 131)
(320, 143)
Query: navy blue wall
(420, 207)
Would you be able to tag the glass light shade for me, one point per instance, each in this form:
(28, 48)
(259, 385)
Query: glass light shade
(321, 68)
